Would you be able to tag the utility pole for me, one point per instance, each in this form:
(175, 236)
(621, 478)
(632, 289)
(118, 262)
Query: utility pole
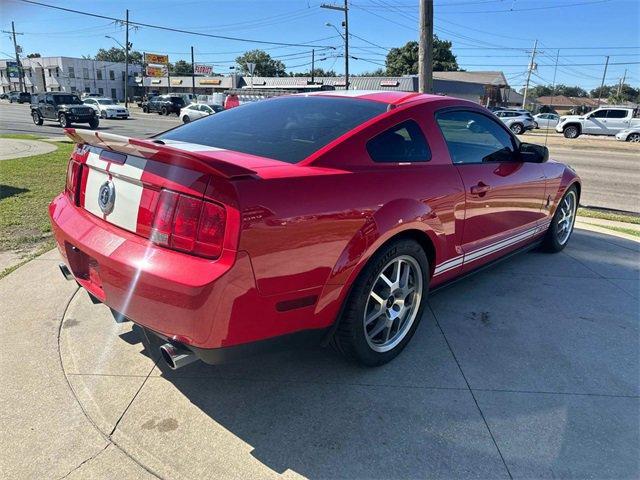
(17, 51)
(530, 69)
(622, 80)
(313, 64)
(345, 24)
(604, 74)
(193, 74)
(425, 50)
(126, 62)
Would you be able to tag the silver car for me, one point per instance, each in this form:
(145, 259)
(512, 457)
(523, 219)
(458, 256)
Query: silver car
(197, 110)
(517, 122)
(546, 120)
(629, 135)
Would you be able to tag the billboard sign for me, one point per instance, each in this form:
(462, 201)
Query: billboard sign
(200, 69)
(156, 71)
(156, 58)
(12, 70)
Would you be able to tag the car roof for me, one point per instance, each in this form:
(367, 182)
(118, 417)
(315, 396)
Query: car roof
(391, 97)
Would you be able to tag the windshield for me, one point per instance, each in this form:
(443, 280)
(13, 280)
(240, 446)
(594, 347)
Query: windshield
(66, 100)
(287, 128)
(106, 102)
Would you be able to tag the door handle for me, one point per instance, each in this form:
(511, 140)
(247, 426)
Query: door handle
(480, 189)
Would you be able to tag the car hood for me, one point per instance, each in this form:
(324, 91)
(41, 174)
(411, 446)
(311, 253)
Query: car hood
(112, 107)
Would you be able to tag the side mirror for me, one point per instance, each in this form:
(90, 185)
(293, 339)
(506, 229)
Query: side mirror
(532, 153)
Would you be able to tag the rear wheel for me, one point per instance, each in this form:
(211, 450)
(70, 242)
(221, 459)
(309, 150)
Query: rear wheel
(562, 223)
(571, 132)
(634, 138)
(145, 109)
(64, 121)
(385, 305)
(517, 128)
(37, 119)
(164, 111)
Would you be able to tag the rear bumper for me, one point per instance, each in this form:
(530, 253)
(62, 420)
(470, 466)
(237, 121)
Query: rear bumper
(203, 304)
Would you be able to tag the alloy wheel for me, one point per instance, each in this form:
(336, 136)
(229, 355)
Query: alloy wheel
(634, 138)
(566, 217)
(393, 303)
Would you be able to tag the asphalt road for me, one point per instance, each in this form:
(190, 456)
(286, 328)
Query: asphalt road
(610, 178)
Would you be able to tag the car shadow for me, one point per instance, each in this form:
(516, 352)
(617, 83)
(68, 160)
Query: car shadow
(7, 191)
(311, 412)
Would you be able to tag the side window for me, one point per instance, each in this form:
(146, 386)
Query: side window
(617, 114)
(402, 143)
(475, 138)
(600, 114)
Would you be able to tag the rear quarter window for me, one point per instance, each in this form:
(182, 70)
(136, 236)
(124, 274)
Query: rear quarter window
(403, 143)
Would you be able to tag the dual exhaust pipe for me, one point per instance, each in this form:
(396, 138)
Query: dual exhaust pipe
(174, 356)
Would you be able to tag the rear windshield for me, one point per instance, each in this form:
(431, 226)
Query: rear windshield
(287, 128)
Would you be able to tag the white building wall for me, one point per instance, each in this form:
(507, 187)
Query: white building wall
(66, 74)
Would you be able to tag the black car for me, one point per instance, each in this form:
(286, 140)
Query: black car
(65, 108)
(165, 104)
(20, 97)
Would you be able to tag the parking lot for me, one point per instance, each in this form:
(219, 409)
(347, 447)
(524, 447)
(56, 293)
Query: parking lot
(527, 370)
(609, 169)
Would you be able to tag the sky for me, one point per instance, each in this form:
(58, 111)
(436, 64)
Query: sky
(486, 34)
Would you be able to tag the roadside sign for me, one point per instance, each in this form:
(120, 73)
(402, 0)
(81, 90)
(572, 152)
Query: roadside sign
(251, 67)
(156, 58)
(201, 69)
(12, 70)
(156, 71)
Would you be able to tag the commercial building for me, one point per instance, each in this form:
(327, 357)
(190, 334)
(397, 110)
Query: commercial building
(72, 75)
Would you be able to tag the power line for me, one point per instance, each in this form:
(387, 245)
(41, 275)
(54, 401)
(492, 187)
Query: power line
(170, 29)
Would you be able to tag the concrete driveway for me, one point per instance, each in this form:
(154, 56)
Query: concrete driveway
(527, 370)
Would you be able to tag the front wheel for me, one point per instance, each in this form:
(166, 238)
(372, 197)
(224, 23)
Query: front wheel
(517, 128)
(94, 123)
(164, 111)
(145, 109)
(186, 119)
(571, 132)
(103, 114)
(385, 305)
(634, 138)
(562, 223)
(37, 119)
(64, 121)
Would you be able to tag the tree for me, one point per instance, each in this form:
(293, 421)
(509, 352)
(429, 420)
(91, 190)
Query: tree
(610, 92)
(181, 68)
(34, 55)
(116, 55)
(317, 72)
(380, 72)
(404, 60)
(548, 90)
(265, 65)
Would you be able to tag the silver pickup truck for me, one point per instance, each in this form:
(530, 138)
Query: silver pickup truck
(603, 121)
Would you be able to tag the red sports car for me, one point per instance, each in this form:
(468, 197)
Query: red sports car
(322, 217)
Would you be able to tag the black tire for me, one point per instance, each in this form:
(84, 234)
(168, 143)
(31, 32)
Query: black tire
(517, 128)
(186, 119)
(145, 109)
(535, 125)
(164, 111)
(571, 131)
(103, 114)
(94, 123)
(37, 119)
(634, 138)
(551, 243)
(350, 337)
(64, 121)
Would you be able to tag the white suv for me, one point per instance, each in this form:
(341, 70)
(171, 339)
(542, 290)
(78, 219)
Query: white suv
(603, 121)
(517, 121)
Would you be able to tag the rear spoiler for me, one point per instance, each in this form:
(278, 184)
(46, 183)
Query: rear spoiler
(158, 152)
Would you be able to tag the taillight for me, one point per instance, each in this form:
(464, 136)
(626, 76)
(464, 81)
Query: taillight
(73, 177)
(188, 224)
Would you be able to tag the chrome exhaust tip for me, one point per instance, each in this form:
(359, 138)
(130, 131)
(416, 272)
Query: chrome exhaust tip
(176, 357)
(66, 273)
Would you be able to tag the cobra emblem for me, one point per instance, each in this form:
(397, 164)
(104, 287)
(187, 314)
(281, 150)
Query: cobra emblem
(107, 197)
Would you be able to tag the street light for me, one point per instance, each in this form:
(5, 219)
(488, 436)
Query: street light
(329, 24)
(126, 56)
(109, 36)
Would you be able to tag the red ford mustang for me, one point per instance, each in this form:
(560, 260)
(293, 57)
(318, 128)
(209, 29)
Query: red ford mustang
(323, 217)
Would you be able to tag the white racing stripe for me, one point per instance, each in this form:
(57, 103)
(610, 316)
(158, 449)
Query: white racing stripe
(489, 249)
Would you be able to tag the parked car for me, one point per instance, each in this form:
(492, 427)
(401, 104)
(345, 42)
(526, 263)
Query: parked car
(88, 95)
(65, 108)
(107, 108)
(197, 110)
(629, 135)
(518, 122)
(317, 217)
(602, 121)
(4, 96)
(546, 120)
(20, 97)
(165, 104)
